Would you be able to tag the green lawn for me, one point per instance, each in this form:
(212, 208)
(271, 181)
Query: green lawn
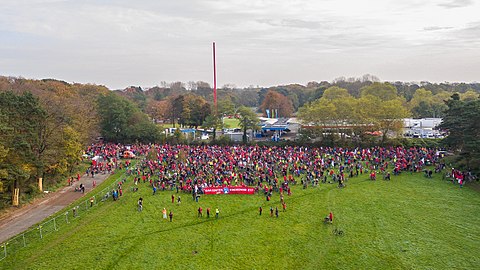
(231, 123)
(409, 222)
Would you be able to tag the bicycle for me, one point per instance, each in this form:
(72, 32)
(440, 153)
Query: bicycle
(337, 232)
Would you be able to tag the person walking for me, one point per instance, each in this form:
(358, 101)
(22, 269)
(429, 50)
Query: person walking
(200, 214)
(179, 200)
(171, 215)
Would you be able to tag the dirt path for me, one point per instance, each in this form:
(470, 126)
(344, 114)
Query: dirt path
(18, 220)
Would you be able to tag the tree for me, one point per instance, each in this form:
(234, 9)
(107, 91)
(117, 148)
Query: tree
(20, 125)
(204, 90)
(248, 120)
(215, 122)
(335, 92)
(226, 107)
(157, 110)
(122, 122)
(425, 104)
(321, 112)
(115, 112)
(469, 95)
(190, 110)
(462, 121)
(384, 91)
(388, 116)
(278, 102)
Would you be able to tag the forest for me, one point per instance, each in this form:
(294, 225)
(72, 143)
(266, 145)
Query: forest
(46, 124)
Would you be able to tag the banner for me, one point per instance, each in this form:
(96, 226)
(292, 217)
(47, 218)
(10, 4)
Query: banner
(228, 190)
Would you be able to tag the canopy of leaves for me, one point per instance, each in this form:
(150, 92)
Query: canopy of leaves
(248, 120)
(278, 102)
(462, 121)
(122, 122)
(383, 91)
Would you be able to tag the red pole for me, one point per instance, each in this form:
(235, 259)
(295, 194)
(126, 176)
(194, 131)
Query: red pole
(214, 80)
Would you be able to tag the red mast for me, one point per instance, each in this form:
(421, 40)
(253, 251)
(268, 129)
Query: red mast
(214, 80)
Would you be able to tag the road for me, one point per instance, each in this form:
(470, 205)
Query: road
(18, 220)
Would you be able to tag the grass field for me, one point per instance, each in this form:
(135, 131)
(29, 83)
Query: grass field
(231, 123)
(410, 222)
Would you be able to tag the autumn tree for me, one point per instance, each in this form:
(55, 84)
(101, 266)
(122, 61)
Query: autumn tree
(277, 102)
(157, 110)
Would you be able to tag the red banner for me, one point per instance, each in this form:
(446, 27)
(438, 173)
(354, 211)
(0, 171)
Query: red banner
(228, 190)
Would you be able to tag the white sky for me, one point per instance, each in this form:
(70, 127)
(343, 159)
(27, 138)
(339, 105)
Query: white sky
(259, 42)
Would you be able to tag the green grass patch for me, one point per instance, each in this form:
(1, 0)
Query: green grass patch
(231, 123)
(408, 223)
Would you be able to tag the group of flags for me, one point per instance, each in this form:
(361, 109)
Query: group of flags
(274, 113)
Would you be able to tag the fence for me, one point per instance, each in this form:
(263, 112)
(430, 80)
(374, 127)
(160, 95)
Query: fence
(56, 223)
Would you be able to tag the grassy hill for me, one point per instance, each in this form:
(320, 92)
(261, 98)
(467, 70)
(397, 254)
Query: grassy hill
(409, 222)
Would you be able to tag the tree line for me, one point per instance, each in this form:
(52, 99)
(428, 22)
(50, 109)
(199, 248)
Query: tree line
(45, 124)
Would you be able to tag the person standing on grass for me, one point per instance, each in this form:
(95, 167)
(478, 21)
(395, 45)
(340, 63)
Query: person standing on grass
(164, 212)
(179, 200)
(173, 198)
(208, 212)
(276, 211)
(171, 215)
(271, 211)
(260, 209)
(140, 204)
(284, 205)
(200, 214)
(217, 212)
(91, 201)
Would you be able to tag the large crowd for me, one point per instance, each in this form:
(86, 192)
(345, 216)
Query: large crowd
(192, 168)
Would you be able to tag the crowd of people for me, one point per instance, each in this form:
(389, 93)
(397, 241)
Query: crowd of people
(190, 169)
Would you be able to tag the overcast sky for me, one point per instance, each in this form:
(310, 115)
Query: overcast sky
(259, 42)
